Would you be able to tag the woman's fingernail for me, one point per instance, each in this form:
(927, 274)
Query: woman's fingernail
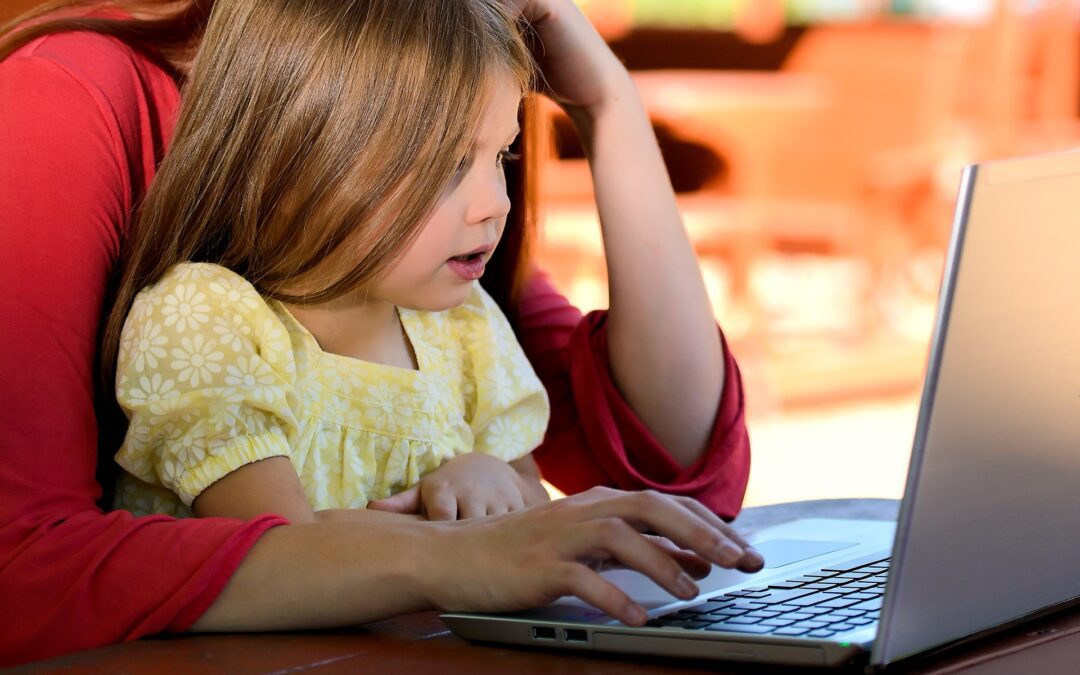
(686, 586)
(729, 553)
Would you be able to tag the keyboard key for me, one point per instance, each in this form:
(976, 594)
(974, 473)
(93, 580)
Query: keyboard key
(853, 576)
(743, 619)
(781, 597)
(798, 616)
(855, 563)
(821, 632)
(831, 618)
(721, 614)
(874, 604)
(786, 585)
(859, 621)
(809, 600)
(729, 627)
(850, 612)
(688, 624)
(778, 622)
(840, 603)
(763, 614)
(790, 630)
(706, 607)
(810, 625)
(840, 627)
(864, 595)
(817, 610)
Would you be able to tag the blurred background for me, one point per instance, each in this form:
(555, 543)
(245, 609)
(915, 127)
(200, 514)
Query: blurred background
(816, 147)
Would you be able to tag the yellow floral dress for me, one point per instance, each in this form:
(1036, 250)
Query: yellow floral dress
(213, 377)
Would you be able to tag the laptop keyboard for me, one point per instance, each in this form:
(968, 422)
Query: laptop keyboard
(819, 604)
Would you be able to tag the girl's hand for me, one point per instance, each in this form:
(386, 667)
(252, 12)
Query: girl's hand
(531, 558)
(577, 64)
(467, 486)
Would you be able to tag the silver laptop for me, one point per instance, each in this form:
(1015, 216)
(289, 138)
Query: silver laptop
(987, 530)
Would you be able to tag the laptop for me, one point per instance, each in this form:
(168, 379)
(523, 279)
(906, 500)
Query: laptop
(986, 535)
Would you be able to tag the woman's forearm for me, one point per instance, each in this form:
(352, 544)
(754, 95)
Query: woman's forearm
(323, 574)
(666, 354)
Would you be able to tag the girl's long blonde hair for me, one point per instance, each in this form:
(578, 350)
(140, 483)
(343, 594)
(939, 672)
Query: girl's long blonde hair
(312, 125)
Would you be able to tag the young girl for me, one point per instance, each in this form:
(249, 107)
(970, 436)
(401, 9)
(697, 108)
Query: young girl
(311, 335)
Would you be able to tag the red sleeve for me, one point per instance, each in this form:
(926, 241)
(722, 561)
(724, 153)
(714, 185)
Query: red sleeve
(72, 577)
(594, 438)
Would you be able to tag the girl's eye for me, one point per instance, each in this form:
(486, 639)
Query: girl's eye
(506, 157)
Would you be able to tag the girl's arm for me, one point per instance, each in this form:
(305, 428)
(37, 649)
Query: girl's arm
(665, 351)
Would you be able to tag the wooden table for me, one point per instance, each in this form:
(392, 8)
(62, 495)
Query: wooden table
(420, 643)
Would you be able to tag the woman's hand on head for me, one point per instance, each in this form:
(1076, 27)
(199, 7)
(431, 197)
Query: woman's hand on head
(533, 557)
(467, 486)
(577, 65)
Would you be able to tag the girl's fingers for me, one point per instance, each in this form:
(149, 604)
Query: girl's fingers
(440, 503)
(406, 501)
(471, 506)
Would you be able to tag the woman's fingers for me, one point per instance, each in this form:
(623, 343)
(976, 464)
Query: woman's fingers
(690, 562)
(654, 512)
(751, 560)
(614, 538)
(580, 581)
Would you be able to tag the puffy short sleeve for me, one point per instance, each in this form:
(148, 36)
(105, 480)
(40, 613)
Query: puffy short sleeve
(206, 376)
(508, 410)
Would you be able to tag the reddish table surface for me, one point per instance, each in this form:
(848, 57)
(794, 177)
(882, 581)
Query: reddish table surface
(421, 643)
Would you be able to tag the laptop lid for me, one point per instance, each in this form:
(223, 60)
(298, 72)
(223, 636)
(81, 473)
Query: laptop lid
(987, 529)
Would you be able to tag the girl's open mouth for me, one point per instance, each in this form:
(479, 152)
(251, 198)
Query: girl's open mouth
(469, 267)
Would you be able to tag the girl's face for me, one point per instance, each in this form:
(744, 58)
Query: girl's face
(437, 270)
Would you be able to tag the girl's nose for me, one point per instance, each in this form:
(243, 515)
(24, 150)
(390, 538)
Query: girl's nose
(489, 200)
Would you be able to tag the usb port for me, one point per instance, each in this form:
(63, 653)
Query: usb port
(543, 633)
(575, 635)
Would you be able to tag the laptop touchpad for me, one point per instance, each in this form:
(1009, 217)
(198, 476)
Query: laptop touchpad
(781, 552)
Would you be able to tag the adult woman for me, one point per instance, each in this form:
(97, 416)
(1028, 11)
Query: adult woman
(88, 118)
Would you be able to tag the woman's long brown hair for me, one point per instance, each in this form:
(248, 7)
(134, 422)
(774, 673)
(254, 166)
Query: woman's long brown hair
(252, 203)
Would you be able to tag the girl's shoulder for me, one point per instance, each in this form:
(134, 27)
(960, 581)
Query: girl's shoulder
(202, 289)
(204, 276)
(210, 308)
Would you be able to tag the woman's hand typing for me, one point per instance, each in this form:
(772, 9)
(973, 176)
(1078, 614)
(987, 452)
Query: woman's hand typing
(469, 486)
(531, 558)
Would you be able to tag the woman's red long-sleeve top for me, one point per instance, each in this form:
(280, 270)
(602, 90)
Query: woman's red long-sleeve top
(84, 121)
